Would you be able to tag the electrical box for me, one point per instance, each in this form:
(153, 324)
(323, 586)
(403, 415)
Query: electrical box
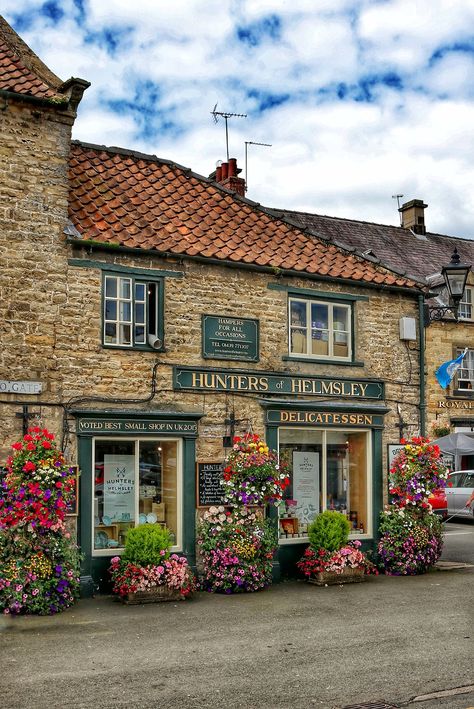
(408, 329)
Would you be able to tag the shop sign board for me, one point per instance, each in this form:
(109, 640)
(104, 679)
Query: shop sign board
(306, 485)
(229, 338)
(324, 418)
(109, 426)
(10, 387)
(209, 488)
(456, 404)
(203, 379)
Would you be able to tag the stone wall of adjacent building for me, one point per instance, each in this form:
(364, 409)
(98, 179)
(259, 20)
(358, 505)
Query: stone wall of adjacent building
(445, 406)
(34, 148)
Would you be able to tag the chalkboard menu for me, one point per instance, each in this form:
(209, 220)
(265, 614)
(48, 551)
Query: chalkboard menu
(209, 488)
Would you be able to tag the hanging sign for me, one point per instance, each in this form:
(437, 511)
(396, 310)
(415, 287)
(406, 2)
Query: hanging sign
(306, 485)
(119, 486)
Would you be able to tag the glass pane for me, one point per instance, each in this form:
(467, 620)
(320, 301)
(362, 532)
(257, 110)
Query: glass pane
(346, 477)
(140, 313)
(140, 291)
(139, 336)
(298, 313)
(341, 344)
(125, 311)
(114, 492)
(110, 333)
(319, 316)
(111, 287)
(158, 502)
(111, 310)
(302, 452)
(125, 288)
(340, 318)
(125, 334)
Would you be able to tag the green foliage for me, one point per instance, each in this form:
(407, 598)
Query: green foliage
(147, 544)
(329, 531)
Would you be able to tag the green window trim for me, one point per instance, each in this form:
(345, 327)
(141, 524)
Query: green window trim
(149, 273)
(315, 294)
(144, 311)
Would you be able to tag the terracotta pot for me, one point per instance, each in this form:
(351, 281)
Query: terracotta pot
(329, 578)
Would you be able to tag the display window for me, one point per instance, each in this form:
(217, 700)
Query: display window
(328, 470)
(135, 482)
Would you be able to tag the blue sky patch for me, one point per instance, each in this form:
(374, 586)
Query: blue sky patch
(266, 100)
(461, 47)
(112, 39)
(258, 32)
(52, 11)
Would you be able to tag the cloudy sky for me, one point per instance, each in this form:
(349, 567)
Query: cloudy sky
(360, 99)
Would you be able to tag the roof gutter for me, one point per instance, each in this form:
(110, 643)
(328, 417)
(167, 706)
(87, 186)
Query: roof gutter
(273, 270)
(34, 100)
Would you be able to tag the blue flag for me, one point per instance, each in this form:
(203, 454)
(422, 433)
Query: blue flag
(447, 370)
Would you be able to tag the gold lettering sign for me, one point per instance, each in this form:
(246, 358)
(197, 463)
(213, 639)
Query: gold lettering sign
(324, 418)
(274, 383)
(456, 404)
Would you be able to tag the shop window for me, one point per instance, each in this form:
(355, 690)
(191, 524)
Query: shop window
(319, 330)
(135, 482)
(466, 311)
(132, 314)
(328, 470)
(464, 378)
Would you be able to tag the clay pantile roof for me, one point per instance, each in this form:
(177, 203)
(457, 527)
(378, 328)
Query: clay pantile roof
(21, 71)
(399, 249)
(138, 201)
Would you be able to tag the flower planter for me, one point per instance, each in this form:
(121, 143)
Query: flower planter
(153, 595)
(329, 578)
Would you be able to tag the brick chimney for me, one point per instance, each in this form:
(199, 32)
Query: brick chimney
(227, 175)
(413, 216)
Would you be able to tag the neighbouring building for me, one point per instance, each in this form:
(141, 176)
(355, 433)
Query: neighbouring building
(149, 313)
(411, 249)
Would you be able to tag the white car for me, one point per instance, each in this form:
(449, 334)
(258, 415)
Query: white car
(458, 490)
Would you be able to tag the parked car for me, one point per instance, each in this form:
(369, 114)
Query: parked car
(439, 503)
(459, 489)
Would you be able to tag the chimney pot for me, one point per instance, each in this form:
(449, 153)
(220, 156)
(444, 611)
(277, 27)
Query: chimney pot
(219, 173)
(232, 167)
(224, 170)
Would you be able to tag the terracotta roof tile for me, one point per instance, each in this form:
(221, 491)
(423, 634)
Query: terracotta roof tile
(142, 202)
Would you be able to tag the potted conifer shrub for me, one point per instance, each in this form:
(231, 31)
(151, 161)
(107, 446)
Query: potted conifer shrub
(147, 572)
(330, 558)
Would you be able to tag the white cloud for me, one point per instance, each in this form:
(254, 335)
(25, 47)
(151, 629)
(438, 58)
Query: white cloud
(344, 155)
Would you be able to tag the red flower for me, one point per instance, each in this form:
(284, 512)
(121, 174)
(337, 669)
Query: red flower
(27, 437)
(29, 466)
(30, 447)
(46, 444)
(17, 446)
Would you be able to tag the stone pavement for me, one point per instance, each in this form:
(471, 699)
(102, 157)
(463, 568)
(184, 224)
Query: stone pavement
(388, 640)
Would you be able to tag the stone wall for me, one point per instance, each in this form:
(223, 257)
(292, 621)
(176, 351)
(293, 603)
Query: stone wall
(34, 148)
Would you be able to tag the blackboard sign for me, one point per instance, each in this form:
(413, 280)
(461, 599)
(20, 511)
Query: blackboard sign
(209, 488)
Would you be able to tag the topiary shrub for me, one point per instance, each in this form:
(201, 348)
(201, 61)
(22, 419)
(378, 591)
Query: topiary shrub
(147, 544)
(329, 531)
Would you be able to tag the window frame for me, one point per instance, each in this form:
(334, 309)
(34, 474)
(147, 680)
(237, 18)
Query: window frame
(369, 532)
(468, 359)
(330, 304)
(118, 551)
(135, 278)
(468, 304)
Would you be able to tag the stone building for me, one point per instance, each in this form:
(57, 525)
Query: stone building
(149, 313)
(411, 249)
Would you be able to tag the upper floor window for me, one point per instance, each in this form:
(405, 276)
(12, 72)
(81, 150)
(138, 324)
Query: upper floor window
(466, 311)
(319, 329)
(464, 379)
(132, 313)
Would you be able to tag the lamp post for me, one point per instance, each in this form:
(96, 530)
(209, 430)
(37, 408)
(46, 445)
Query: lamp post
(455, 276)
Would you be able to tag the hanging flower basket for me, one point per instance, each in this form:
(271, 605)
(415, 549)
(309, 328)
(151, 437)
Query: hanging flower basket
(252, 474)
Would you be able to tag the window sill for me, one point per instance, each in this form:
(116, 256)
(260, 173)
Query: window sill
(319, 360)
(135, 348)
(284, 541)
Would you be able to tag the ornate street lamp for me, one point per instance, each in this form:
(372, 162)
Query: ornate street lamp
(455, 276)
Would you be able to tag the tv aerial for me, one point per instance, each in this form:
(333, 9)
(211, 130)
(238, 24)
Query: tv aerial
(398, 198)
(247, 143)
(225, 115)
